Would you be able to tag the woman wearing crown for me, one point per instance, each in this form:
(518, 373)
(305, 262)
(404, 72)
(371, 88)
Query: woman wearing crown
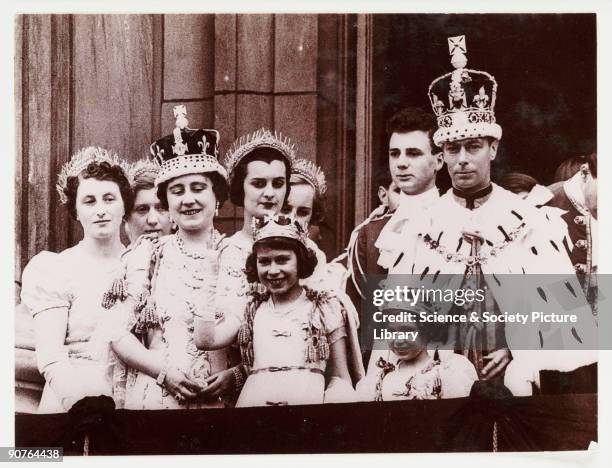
(168, 283)
(64, 291)
(292, 339)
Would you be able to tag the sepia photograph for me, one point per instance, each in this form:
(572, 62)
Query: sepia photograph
(283, 233)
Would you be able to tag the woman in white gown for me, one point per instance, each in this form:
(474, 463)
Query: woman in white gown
(64, 291)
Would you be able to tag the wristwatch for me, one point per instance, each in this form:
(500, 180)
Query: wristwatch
(161, 378)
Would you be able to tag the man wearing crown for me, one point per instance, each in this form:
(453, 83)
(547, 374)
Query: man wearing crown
(478, 234)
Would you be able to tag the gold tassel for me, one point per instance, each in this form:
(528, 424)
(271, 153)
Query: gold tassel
(245, 336)
(116, 292)
(318, 347)
(147, 320)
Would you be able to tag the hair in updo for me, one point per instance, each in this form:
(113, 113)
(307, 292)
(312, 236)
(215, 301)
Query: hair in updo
(219, 188)
(145, 181)
(306, 258)
(318, 201)
(100, 171)
(240, 172)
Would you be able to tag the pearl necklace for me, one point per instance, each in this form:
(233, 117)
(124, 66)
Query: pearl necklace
(195, 255)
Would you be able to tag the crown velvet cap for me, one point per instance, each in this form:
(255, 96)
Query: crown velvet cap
(186, 151)
(463, 100)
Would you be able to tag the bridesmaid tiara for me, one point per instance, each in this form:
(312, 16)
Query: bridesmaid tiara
(261, 138)
(311, 173)
(80, 161)
(142, 168)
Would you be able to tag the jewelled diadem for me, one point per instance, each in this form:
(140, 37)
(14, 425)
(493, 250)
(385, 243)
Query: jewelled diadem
(142, 168)
(79, 162)
(261, 138)
(311, 173)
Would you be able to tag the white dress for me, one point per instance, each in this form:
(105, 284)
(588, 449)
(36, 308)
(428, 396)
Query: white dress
(72, 281)
(234, 291)
(232, 287)
(289, 355)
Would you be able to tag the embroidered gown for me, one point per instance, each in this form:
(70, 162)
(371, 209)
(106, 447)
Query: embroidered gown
(179, 286)
(234, 291)
(71, 281)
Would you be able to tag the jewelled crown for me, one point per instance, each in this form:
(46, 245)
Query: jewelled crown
(79, 162)
(278, 226)
(187, 150)
(311, 173)
(261, 138)
(142, 168)
(463, 100)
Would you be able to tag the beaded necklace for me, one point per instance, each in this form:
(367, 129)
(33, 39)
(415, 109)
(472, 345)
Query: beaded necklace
(195, 271)
(212, 240)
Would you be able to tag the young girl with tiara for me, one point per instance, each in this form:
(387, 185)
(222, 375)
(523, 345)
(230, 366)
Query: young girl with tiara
(292, 339)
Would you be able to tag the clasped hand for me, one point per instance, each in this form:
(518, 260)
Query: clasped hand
(213, 388)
